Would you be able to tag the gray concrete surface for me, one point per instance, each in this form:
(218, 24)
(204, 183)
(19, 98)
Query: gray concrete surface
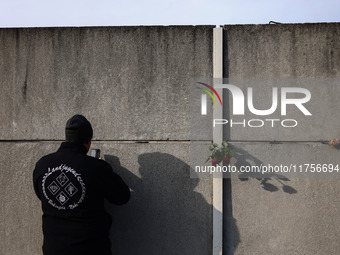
(286, 215)
(291, 55)
(132, 82)
(169, 213)
(305, 222)
(283, 50)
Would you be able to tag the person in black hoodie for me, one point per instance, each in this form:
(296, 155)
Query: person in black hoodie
(72, 187)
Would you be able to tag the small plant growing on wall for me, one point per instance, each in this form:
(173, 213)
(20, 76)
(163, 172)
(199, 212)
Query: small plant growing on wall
(220, 154)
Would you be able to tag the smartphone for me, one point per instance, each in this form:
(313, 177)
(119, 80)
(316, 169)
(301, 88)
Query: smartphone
(95, 153)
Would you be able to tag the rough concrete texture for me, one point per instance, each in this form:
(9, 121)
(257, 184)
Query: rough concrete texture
(168, 213)
(131, 82)
(266, 56)
(279, 215)
(283, 50)
(298, 215)
(277, 222)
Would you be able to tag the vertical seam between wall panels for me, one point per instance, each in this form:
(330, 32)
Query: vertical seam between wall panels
(217, 137)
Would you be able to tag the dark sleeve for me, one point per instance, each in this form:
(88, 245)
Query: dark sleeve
(114, 188)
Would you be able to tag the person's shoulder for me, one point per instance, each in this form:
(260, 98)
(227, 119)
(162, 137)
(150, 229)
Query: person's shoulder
(46, 158)
(42, 164)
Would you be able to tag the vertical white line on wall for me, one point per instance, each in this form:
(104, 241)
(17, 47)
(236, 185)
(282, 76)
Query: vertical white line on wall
(218, 137)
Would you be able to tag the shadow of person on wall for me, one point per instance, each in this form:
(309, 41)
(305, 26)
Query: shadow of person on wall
(165, 214)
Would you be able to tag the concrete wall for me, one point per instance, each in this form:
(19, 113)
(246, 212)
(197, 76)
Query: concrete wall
(132, 84)
(292, 215)
(131, 81)
(285, 55)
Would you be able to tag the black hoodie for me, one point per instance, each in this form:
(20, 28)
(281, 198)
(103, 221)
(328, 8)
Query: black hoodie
(72, 187)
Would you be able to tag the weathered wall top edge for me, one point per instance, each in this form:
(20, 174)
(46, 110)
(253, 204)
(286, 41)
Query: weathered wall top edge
(109, 27)
(225, 26)
(172, 26)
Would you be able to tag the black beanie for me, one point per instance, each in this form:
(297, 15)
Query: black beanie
(78, 130)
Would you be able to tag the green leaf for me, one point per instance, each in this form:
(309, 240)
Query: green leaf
(219, 156)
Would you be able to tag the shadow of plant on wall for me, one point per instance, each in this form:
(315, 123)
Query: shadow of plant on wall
(166, 215)
(269, 181)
